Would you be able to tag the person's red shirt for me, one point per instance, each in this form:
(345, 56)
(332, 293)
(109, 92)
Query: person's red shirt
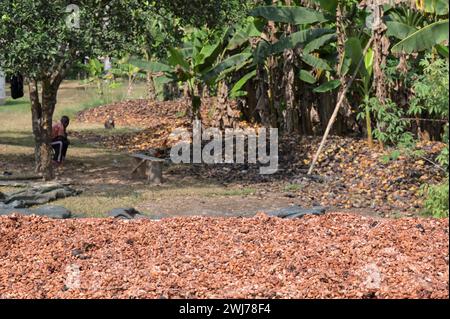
(57, 130)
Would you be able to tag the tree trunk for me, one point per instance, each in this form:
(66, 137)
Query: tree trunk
(305, 107)
(42, 114)
(248, 109)
(291, 120)
(342, 121)
(380, 52)
(225, 115)
(42, 127)
(262, 105)
(151, 91)
(326, 102)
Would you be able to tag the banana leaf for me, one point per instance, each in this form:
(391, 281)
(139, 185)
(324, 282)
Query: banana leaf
(328, 5)
(237, 88)
(399, 30)
(151, 66)
(307, 77)
(261, 52)
(230, 64)
(318, 43)
(439, 7)
(424, 39)
(289, 14)
(296, 39)
(176, 58)
(315, 62)
(442, 50)
(327, 86)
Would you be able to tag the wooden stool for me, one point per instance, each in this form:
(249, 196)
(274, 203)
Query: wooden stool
(148, 167)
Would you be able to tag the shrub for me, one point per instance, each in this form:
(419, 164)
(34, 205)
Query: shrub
(436, 203)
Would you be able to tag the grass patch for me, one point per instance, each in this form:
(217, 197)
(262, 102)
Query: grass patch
(292, 188)
(92, 205)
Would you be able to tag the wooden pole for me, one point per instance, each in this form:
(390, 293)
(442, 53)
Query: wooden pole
(336, 109)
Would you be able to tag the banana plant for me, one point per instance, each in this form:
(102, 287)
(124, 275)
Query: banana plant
(95, 71)
(124, 68)
(157, 74)
(420, 30)
(424, 38)
(353, 54)
(306, 41)
(198, 63)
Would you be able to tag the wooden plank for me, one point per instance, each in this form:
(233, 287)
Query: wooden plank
(147, 158)
(137, 166)
(154, 173)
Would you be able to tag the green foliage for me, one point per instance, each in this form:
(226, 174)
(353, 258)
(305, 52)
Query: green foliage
(442, 158)
(423, 39)
(432, 95)
(436, 203)
(391, 123)
(328, 86)
(46, 44)
(307, 77)
(431, 90)
(211, 13)
(94, 70)
(237, 89)
(289, 14)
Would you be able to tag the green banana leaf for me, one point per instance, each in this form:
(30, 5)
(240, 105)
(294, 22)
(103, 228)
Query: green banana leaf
(151, 66)
(177, 58)
(327, 86)
(242, 35)
(318, 43)
(424, 39)
(230, 64)
(161, 80)
(261, 52)
(315, 62)
(399, 30)
(354, 52)
(296, 39)
(307, 77)
(439, 7)
(237, 88)
(328, 5)
(289, 14)
(442, 50)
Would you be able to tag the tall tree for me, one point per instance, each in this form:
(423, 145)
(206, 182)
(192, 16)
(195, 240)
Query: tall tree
(43, 39)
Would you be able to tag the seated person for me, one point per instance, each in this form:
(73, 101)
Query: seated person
(60, 143)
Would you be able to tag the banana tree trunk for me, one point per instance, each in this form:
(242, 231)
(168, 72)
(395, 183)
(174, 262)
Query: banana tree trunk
(151, 91)
(225, 115)
(345, 110)
(292, 116)
(291, 121)
(262, 105)
(380, 53)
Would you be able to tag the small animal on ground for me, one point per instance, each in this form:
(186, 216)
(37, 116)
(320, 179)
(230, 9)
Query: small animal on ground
(109, 123)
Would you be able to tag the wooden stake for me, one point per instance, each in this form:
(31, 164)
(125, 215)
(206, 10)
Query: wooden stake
(336, 109)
